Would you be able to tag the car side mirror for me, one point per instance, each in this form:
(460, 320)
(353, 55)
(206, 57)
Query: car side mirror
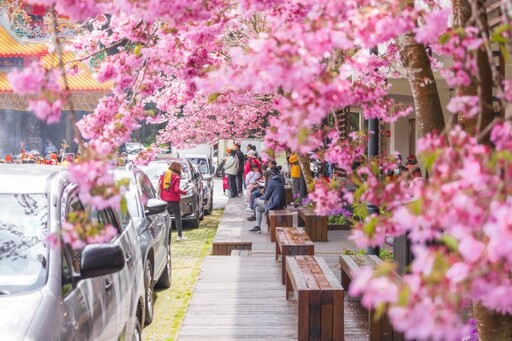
(155, 206)
(101, 259)
(196, 175)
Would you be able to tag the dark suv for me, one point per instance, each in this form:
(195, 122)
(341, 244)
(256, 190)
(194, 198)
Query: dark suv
(58, 293)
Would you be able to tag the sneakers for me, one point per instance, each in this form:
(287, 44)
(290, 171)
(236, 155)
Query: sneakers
(181, 238)
(248, 209)
(255, 229)
(251, 218)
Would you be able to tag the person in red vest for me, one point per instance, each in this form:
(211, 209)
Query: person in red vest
(169, 188)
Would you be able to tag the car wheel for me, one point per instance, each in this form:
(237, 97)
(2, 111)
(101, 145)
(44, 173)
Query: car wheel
(193, 223)
(150, 292)
(137, 333)
(165, 279)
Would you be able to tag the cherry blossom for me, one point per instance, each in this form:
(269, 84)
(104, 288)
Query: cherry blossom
(281, 69)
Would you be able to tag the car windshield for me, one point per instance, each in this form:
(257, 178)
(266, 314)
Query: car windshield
(23, 247)
(200, 164)
(133, 148)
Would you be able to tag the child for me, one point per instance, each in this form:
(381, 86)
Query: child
(225, 184)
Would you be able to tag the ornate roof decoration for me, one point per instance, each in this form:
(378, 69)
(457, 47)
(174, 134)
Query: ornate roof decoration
(10, 47)
(31, 22)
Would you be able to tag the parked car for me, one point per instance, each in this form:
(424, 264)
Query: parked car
(191, 203)
(202, 163)
(153, 224)
(131, 149)
(59, 293)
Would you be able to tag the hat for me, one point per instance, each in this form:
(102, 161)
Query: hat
(251, 153)
(228, 150)
(293, 158)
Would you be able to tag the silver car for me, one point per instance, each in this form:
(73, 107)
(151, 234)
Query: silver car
(58, 293)
(153, 224)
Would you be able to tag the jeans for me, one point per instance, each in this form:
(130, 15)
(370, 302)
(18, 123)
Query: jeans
(232, 185)
(254, 195)
(303, 187)
(295, 187)
(173, 207)
(259, 209)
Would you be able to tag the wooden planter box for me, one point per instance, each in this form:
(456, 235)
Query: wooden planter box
(342, 227)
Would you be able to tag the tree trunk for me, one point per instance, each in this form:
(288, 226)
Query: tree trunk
(492, 326)
(306, 169)
(482, 84)
(427, 104)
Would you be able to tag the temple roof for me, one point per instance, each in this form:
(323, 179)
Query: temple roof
(10, 48)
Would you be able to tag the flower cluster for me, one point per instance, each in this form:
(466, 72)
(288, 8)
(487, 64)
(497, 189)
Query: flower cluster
(42, 86)
(144, 157)
(462, 210)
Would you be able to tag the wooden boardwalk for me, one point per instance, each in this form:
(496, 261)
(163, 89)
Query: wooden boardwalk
(242, 298)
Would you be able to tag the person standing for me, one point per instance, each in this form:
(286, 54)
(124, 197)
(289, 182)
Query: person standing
(295, 175)
(231, 169)
(240, 174)
(171, 193)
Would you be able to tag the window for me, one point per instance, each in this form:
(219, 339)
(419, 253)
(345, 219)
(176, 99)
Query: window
(103, 217)
(75, 205)
(147, 191)
(66, 281)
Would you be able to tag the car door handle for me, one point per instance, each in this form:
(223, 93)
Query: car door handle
(128, 258)
(108, 285)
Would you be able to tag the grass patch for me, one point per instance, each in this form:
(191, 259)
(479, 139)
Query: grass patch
(187, 258)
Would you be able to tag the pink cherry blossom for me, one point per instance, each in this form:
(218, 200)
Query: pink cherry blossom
(435, 23)
(45, 111)
(468, 106)
(29, 81)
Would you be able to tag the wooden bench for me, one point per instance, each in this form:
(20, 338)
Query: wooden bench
(291, 241)
(319, 298)
(288, 195)
(277, 218)
(315, 225)
(379, 329)
(224, 248)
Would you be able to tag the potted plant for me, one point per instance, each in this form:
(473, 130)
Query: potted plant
(339, 219)
(296, 200)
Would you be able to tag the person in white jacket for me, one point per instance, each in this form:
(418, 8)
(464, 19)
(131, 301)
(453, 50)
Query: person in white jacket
(231, 169)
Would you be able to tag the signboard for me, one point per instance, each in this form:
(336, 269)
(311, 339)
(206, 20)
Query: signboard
(11, 62)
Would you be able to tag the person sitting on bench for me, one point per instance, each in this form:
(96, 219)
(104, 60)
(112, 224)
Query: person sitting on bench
(272, 199)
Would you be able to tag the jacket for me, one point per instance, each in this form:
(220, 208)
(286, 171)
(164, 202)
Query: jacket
(274, 194)
(173, 194)
(231, 165)
(241, 160)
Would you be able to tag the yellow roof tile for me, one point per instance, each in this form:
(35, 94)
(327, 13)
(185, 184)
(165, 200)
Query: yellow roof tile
(10, 47)
(82, 81)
